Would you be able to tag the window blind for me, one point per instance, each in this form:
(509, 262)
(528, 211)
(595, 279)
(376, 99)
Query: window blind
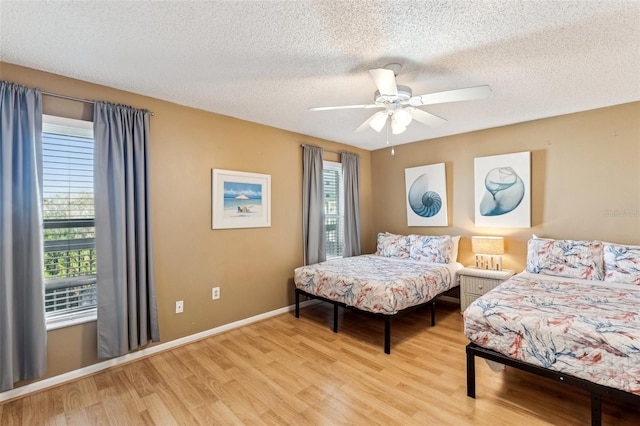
(333, 210)
(68, 213)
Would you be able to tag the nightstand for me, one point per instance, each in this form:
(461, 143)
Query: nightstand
(475, 282)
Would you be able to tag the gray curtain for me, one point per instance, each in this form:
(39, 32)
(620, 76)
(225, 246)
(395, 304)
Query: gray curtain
(313, 205)
(127, 311)
(23, 332)
(351, 182)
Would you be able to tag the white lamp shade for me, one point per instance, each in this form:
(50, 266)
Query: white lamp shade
(397, 128)
(402, 117)
(378, 121)
(487, 245)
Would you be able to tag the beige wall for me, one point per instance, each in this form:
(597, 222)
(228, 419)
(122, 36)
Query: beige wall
(585, 179)
(252, 267)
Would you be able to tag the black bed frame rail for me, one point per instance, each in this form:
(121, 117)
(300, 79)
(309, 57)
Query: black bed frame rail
(387, 318)
(597, 391)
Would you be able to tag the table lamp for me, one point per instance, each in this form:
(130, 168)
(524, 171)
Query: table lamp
(488, 251)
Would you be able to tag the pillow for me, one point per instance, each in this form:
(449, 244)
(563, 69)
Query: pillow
(433, 249)
(622, 263)
(566, 258)
(392, 245)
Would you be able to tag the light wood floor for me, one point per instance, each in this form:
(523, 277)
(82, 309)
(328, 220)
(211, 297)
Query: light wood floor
(297, 371)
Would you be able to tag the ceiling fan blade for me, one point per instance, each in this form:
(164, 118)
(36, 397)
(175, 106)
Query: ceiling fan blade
(326, 108)
(364, 125)
(385, 81)
(367, 122)
(424, 117)
(468, 94)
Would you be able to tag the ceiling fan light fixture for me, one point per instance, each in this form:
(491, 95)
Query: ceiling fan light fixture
(378, 121)
(397, 128)
(399, 104)
(402, 117)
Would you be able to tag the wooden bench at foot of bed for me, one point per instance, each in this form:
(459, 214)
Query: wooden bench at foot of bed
(387, 318)
(597, 391)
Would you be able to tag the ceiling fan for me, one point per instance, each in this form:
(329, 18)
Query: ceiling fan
(400, 106)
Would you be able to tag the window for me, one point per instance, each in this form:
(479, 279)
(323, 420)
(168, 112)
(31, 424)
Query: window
(69, 229)
(333, 209)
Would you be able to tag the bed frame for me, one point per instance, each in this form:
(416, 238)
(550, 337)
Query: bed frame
(597, 391)
(387, 318)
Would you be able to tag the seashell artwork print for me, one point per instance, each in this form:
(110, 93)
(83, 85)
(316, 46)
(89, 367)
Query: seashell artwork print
(423, 202)
(502, 190)
(426, 195)
(505, 191)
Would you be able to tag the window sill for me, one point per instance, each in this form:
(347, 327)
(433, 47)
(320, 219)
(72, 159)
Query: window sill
(71, 319)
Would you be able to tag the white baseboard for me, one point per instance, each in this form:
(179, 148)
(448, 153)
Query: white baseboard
(94, 368)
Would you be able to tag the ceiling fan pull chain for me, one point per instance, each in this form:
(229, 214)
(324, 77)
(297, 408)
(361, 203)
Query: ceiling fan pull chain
(393, 151)
(388, 128)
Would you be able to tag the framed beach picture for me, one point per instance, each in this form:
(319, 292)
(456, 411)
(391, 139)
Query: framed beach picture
(503, 190)
(240, 199)
(426, 195)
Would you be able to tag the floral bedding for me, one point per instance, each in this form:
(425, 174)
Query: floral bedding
(578, 327)
(425, 248)
(566, 258)
(376, 284)
(622, 263)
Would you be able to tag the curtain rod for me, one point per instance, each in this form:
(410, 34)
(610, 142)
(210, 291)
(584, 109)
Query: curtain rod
(71, 98)
(325, 150)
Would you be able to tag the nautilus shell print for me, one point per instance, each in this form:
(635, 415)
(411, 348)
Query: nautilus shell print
(505, 190)
(424, 202)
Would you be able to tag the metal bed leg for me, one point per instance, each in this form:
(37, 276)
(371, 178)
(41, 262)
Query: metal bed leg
(335, 318)
(387, 335)
(297, 303)
(471, 374)
(433, 313)
(596, 409)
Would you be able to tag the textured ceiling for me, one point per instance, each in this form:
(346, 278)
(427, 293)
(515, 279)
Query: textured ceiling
(269, 61)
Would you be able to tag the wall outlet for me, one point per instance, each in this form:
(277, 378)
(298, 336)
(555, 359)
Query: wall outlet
(215, 293)
(179, 307)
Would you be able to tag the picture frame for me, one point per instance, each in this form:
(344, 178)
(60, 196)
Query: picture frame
(503, 190)
(426, 195)
(240, 199)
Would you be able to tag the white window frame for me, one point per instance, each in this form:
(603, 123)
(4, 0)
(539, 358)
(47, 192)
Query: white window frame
(78, 128)
(334, 166)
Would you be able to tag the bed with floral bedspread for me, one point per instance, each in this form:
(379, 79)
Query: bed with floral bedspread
(573, 316)
(376, 284)
(570, 326)
(385, 283)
